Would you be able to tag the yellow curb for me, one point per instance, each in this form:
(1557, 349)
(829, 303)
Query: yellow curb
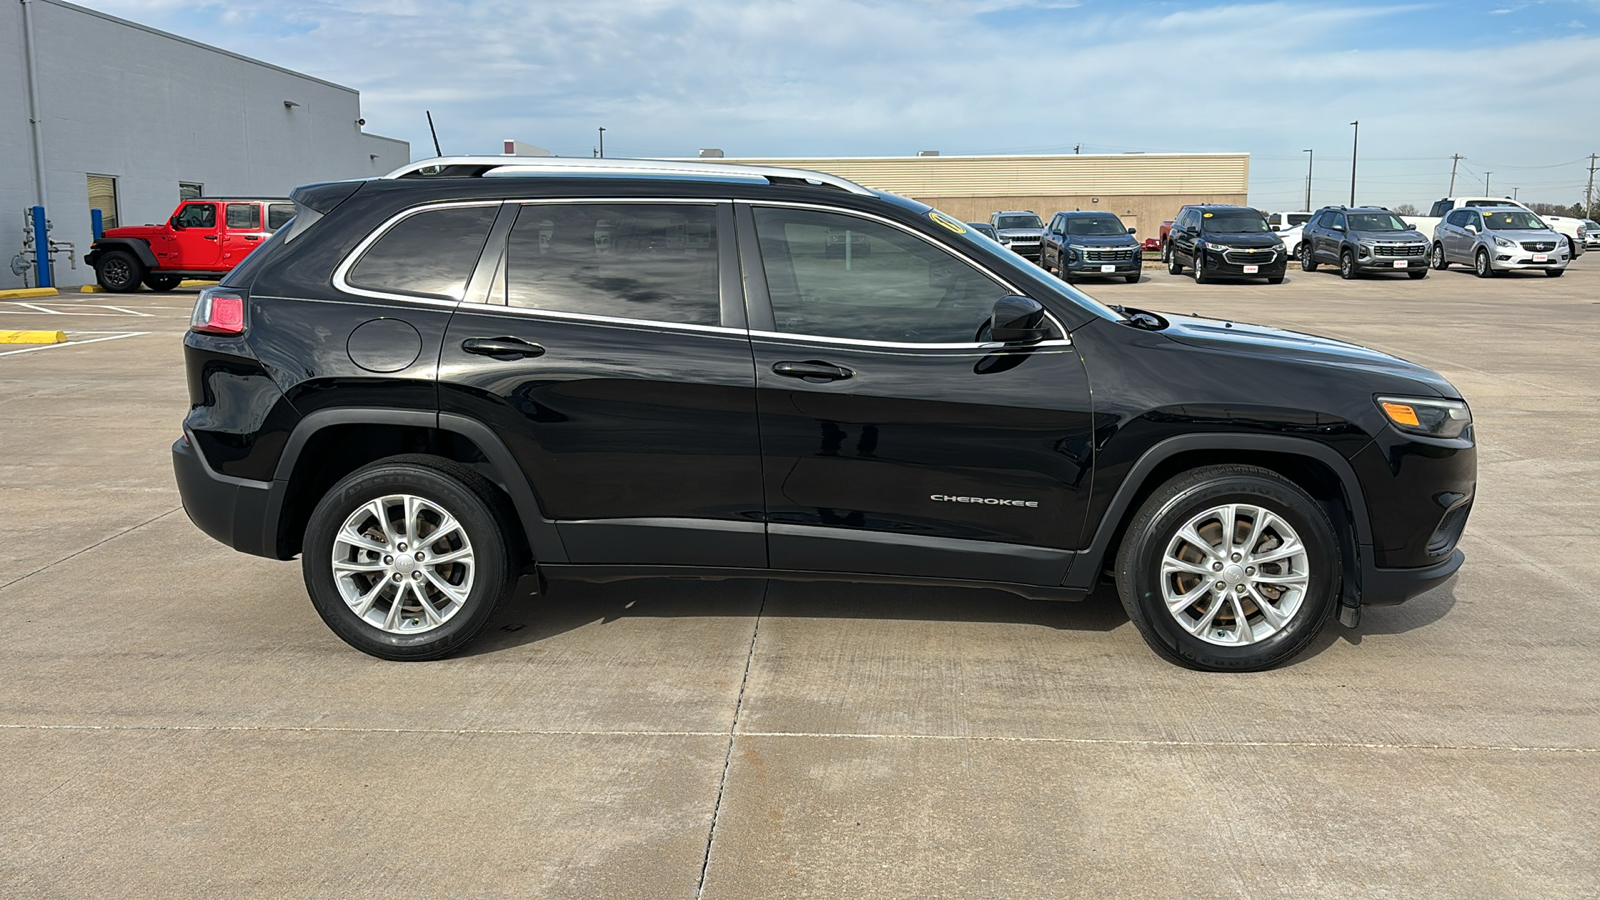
(91, 289)
(192, 282)
(22, 293)
(33, 337)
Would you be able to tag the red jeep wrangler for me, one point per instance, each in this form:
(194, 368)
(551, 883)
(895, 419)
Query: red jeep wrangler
(203, 238)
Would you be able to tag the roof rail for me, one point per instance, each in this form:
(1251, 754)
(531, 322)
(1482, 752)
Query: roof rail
(478, 166)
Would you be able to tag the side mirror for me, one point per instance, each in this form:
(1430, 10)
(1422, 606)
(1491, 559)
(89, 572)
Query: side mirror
(1133, 231)
(1472, 228)
(1018, 320)
(1338, 227)
(176, 226)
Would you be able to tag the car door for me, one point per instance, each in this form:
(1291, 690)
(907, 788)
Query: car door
(895, 438)
(1331, 239)
(1185, 233)
(196, 237)
(241, 233)
(606, 347)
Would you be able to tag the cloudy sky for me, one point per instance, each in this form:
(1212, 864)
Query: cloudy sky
(1512, 85)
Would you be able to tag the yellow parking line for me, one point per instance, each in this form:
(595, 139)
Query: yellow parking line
(20, 293)
(33, 337)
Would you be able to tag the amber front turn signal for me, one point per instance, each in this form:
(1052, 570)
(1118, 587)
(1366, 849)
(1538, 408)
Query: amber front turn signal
(1400, 413)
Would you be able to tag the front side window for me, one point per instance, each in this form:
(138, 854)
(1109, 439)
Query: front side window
(244, 216)
(834, 275)
(429, 254)
(198, 215)
(656, 262)
(1458, 218)
(1326, 220)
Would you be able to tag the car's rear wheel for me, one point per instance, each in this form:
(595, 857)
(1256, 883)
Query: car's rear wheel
(406, 558)
(118, 271)
(1440, 261)
(1347, 265)
(1481, 265)
(1229, 568)
(1308, 260)
(157, 282)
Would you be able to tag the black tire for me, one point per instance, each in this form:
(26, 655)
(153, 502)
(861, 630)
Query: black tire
(1554, 273)
(1308, 260)
(161, 283)
(1572, 250)
(1417, 275)
(1200, 276)
(1131, 279)
(1439, 260)
(1275, 279)
(1170, 257)
(1175, 504)
(467, 497)
(118, 271)
(1481, 265)
(1347, 265)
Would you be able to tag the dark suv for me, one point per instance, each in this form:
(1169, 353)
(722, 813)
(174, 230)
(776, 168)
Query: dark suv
(1224, 242)
(431, 383)
(1097, 244)
(1363, 239)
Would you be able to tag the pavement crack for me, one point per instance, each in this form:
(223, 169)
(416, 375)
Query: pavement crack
(733, 729)
(90, 547)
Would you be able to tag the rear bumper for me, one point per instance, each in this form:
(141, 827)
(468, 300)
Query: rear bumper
(1387, 587)
(233, 511)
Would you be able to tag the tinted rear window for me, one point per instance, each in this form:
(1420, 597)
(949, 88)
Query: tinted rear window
(244, 216)
(278, 215)
(429, 254)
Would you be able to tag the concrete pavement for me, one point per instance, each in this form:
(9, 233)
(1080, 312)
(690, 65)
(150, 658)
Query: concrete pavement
(176, 721)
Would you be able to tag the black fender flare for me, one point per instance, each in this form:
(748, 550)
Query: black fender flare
(1089, 562)
(543, 538)
(137, 247)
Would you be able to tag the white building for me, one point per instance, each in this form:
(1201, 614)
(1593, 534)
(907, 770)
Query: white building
(137, 118)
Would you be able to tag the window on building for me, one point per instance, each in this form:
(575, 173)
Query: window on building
(628, 261)
(244, 216)
(103, 196)
(431, 254)
(190, 190)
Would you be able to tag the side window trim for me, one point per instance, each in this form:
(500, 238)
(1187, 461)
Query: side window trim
(763, 324)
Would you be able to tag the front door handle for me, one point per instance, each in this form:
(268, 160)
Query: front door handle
(812, 370)
(210, 237)
(502, 348)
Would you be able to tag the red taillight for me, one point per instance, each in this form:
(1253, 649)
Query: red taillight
(218, 312)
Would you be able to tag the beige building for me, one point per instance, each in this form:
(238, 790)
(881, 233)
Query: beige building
(1144, 189)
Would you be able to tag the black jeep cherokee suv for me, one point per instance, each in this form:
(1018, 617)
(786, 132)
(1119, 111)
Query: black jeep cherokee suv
(1363, 239)
(431, 383)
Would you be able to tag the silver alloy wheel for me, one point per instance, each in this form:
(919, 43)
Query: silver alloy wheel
(1438, 257)
(1235, 575)
(403, 564)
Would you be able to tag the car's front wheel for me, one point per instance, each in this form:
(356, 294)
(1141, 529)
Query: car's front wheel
(1347, 265)
(1554, 273)
(1308, 260)
(1440, 261)
(118, 271)
(406, 558)
(1170, 256)
(1229, 568)
(1200, 276)
(1481, 264)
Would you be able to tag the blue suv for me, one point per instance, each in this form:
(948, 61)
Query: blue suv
(1090, 243)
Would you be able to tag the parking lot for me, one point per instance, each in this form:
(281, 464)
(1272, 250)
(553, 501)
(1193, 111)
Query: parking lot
(175, 719)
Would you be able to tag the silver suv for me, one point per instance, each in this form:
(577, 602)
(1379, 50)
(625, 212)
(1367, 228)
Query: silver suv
(1498, 239)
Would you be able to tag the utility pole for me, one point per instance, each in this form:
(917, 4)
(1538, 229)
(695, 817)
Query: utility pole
(1075, 148)
(1514, 193)
(1354, 143)
(1454, 159)
(1588, 192)
(1309, 160)
(602, 143)
(1486, 183)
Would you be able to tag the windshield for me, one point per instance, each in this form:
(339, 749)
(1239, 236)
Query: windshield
(1027, 221)
(1377, 222)
(1095, 225)
(983, 228)
(1233, 221)
(1513, 220)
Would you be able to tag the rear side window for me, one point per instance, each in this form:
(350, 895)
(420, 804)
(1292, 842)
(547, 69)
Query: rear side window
(428, 254)
(656, 262)
(278, 215)
(244, 216)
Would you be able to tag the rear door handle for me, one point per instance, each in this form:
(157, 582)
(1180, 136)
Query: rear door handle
(502, 348)
(812, 370)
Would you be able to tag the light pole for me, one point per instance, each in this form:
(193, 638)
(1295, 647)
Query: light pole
(1354, 143)
(1309, 160)
(602, 143)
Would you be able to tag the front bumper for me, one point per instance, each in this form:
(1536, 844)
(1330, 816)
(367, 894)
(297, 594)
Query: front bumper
(1234, 264)
(1078, 263)
(234, 511)
(1517, 259)
(1382, 263)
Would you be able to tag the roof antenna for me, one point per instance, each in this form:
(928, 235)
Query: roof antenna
(436, 150)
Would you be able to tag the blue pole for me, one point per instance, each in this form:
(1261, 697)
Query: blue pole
(97, 223)
(41, 247)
